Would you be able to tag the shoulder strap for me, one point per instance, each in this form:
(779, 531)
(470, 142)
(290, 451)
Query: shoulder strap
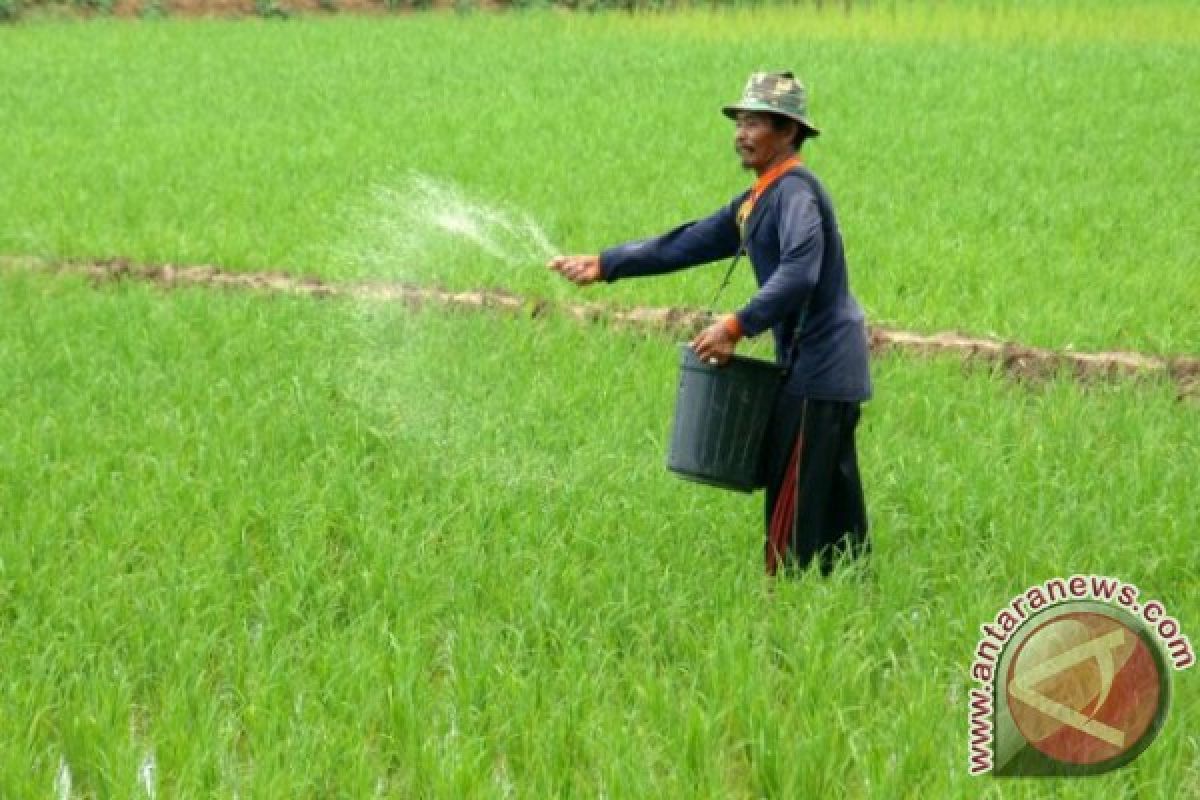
(741, 251)
(826, 227)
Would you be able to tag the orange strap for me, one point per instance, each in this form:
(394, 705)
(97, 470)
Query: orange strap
(762, 184)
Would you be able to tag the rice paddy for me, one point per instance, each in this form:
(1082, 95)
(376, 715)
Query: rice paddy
(268, 545)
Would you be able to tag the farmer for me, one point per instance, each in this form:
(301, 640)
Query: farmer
(814, 498)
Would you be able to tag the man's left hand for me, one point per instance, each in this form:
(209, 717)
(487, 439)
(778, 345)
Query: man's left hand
(715, 344)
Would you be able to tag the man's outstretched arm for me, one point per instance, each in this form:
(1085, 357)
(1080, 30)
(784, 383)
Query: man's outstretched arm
(694, 243)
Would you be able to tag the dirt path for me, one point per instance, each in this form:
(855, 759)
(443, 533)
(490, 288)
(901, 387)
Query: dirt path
(1015, 359)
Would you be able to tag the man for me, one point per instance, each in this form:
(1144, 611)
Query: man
(814, 498)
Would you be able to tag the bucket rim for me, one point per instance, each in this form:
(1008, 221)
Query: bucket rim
(690, 359)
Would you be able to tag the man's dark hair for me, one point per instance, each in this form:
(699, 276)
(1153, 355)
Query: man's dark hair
(779, 122)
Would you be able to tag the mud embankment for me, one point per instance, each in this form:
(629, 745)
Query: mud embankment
(1018, 360)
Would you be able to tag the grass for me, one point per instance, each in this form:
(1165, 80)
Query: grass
(313, 549)
(287, 547)
(1023, 173)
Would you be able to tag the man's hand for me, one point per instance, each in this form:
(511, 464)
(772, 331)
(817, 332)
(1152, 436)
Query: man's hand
(580, 270)
(716, 343)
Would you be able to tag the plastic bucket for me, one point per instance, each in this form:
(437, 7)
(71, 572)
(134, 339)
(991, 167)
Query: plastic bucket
(721, 417)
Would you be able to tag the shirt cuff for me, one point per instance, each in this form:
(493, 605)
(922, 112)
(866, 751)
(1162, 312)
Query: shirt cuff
(733, 327)
(606, 268)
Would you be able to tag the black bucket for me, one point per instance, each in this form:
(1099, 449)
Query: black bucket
(721, 417)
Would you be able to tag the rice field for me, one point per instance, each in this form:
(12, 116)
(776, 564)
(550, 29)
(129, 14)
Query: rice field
(258, 545)
(1031, 177)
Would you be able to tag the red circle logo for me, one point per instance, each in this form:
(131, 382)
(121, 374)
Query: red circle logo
(1084, 687)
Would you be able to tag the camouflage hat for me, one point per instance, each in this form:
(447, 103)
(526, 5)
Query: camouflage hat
(774, 93)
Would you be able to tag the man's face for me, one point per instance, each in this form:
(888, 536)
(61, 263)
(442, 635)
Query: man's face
(757, 141)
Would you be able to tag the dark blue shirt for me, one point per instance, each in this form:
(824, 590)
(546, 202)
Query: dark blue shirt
(795, 246)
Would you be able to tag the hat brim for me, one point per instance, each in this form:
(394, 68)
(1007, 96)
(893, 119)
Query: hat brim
(731, 111)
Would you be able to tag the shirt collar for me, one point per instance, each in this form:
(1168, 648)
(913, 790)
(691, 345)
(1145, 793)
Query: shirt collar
(761, 185)
(773, 174)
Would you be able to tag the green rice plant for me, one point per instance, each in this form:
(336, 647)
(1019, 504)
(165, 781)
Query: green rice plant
(277, 546)
(960, 208)
(263, 545)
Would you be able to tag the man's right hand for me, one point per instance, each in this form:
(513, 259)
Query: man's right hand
(580, 270)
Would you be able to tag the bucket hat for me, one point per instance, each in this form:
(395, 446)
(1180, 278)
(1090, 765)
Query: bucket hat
(774, 93)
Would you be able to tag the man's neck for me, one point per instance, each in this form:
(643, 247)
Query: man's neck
(776, 161)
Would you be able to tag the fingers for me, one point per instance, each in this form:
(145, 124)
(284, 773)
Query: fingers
(580, 270)
(702, 344)
(712, 345)
(571, 270)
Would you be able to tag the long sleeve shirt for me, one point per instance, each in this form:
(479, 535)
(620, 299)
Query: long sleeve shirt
(795, 246)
